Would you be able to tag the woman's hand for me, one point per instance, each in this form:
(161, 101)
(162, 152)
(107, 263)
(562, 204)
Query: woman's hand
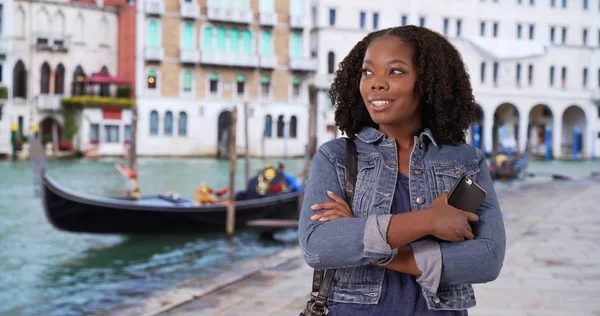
(334, 210)
(449, 223)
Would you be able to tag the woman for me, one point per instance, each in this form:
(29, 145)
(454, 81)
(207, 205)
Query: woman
(401, 249)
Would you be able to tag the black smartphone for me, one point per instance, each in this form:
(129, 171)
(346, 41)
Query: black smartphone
(466, 195)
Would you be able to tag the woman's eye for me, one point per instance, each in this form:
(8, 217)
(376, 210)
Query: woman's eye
(397, 72)
(366, 72)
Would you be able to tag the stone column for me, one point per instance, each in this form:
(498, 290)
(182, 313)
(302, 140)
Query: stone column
(488, 132)
(523, 124)
(557, 135)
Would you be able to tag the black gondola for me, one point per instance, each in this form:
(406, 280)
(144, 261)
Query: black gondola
(156, 214)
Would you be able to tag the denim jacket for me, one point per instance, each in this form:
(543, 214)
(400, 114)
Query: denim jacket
(352, 244)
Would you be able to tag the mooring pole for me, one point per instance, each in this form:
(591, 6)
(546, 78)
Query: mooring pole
(232, 165)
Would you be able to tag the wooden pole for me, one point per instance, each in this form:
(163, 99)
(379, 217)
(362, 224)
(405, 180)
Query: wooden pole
(232, 165)
(133, 144)
(312, 143)
(246, 150)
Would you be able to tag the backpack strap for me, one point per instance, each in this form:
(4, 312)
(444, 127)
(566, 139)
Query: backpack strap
(323, 279)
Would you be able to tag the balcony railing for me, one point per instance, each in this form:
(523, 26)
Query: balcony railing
(154, 7)
(229, 15)
(154, 53)
(189, 56)
(228, 59)
(48, 102)
(54, 42)
(296, 21)
(97, 102)
(303, 63)
(268, 62)
(268, 18)
(189, 10)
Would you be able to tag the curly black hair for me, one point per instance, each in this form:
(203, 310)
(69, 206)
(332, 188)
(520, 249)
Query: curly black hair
(447, 101)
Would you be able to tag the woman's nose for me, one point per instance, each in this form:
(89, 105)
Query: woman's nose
(379, 84)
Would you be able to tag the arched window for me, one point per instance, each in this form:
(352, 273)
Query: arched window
(58, 24)
(104, 88)
(182, 124)
(168, 123)
(187, 81)
(551, 75)
(247, 42)
(152, 40)
(59, 79)
(19, 80)
(207, 39)
(293, 126)
(104, 31)
(79, 29)
(152, 79)
(45, 82)
(268, 126)
(280, 126)
(154, 123)
(585, 77)
(518, 74)
(78, 85)
(234, 40)
(563, 76)
(482, 72)
(221, 39)
(19, 22)
(330, 62)
(530, 74)
(188, 36)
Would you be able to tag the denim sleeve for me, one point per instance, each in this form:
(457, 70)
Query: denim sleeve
(478, 260)
(375, 240)
(428, 257)
(338, 243)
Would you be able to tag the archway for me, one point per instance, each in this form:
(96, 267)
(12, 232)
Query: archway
(539, 131)
(476, 133)
(573, 131)
(51, 131)
(506, 128)
(223, 134)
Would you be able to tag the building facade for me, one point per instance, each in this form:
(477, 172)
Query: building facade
(534, 65)
(198, 60)
(5, 75)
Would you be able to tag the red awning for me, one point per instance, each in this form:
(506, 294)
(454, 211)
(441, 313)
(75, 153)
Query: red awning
(105, 78)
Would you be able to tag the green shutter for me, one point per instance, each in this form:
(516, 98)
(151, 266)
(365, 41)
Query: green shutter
(296, 80)
(240, 78)
(188, 36)
(207, 42)
(296, 45)
(187, 81)
(265, 79)
(247, 38)
(152, 34)
(234, 40)
(266, 44)
(152, 73)
(221, 39)
(213, 76)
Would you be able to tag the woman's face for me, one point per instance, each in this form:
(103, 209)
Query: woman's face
(387, 84)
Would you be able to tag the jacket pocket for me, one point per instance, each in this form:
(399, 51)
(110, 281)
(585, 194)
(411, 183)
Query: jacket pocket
(365, 183)
(447, 176)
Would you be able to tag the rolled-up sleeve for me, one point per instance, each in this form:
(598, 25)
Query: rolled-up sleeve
(428, 257)
(375, 239)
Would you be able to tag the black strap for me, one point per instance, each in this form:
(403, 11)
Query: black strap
(323, 279)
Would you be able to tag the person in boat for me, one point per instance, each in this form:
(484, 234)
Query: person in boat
(404, 96)
(206, 195)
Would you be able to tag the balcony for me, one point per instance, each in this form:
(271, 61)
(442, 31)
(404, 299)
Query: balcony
(52, 42)
(154, 7)
(297, 21)
(189, 10)
(48, 102)
(303, 63)
(229, 15)
(89, 101)
(267, 18)
(189, 56)
(268, 62)
(154, 53)
(229, 59)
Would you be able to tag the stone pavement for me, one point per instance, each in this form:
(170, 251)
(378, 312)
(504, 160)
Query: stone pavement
(552, 266)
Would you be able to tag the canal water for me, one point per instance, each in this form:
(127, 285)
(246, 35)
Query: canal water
(48, 272)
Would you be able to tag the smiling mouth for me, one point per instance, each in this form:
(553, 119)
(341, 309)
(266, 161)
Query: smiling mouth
(381, 104)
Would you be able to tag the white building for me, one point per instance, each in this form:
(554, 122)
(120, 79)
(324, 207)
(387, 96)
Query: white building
(55, 45)
(6, 24)
(534, 65)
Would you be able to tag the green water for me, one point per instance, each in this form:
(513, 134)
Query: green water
(48, 272)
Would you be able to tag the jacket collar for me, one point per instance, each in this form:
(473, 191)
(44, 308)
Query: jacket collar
(370, 135)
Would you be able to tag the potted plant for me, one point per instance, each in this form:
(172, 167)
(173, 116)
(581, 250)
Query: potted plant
(3, 92)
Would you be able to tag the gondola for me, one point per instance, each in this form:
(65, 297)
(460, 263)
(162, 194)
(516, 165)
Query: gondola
(505, 167)
(160, 213)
